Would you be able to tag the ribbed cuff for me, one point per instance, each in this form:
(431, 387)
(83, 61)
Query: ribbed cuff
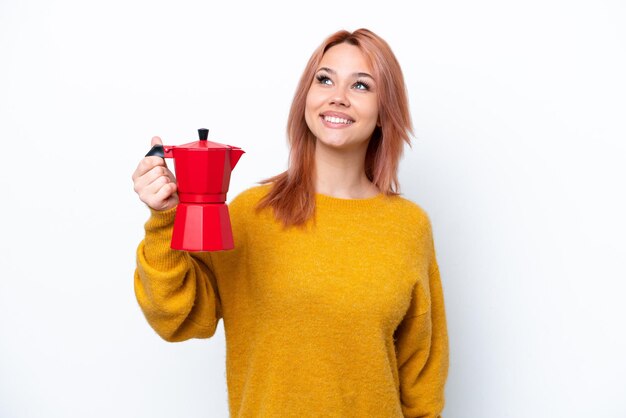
(157, 250)
(160, 218)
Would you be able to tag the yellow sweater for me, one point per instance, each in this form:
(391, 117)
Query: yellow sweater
(343, 319)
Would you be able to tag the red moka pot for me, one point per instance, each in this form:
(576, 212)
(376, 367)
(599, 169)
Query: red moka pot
(202, 171)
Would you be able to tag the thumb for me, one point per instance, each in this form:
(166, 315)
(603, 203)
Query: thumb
(156, 141)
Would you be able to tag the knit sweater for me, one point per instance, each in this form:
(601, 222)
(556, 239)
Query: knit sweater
(342, 318)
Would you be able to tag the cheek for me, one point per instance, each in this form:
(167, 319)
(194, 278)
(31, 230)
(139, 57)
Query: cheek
(367, 107)
(375, 110)
(312, 100)
(310, 109)
(373, 114)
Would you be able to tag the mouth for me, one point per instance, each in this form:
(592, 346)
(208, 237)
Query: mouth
(336, 119)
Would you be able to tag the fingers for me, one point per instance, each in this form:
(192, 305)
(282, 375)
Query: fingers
(154, 182)
(165, 197)
(146, 179)
(156, 190)
(147, 164)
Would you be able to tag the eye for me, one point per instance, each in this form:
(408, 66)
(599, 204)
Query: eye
(323, 79)
(361, 85)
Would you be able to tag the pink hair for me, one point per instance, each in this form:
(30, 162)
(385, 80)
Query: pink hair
(292, 195)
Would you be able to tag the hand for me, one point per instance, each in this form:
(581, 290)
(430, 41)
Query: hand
(155, 183)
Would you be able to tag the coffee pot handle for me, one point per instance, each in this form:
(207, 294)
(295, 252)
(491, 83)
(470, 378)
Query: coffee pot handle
(156, 151)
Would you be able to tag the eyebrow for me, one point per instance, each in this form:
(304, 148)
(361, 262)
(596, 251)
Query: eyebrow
(331, 71)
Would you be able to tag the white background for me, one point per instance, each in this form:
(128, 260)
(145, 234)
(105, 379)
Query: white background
(518, 157)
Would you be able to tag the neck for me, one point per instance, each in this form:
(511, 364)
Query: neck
(341, 173)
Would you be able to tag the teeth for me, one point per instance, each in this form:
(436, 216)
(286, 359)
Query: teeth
(333, 119)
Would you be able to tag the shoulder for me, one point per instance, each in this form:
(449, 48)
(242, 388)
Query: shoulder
(248, 198)
(412, 212)
(242, 211)
(416, 222)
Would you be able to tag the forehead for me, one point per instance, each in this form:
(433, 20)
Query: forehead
(345, 57)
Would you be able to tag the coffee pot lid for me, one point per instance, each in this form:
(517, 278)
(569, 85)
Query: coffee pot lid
(204, 144)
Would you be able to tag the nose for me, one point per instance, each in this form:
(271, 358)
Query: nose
(339, 98)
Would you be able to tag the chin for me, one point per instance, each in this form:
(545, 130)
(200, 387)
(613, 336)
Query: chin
(339, 144)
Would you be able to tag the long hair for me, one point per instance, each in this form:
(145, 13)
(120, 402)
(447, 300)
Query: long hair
(292, 195)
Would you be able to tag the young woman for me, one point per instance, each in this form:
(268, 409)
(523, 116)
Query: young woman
(331, 300)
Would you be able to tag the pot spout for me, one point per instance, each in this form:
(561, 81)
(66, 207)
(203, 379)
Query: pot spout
(235, 155)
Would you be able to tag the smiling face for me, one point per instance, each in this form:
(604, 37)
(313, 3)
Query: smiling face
(342, 103)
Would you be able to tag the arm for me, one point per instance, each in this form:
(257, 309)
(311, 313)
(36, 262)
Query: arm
(176, 290)
(422, 350)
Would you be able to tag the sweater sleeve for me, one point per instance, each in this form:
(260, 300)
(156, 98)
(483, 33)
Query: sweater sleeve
(176, 290)
(422, 350)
